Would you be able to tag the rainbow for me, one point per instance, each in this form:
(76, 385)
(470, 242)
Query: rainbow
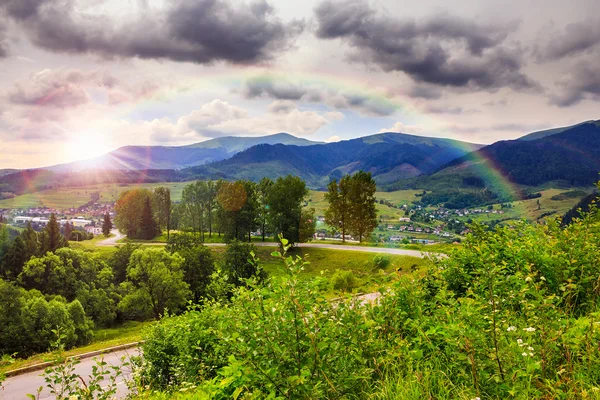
(404, 106)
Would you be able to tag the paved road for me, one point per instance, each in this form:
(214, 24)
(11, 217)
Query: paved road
(19, 386)
(112, 241)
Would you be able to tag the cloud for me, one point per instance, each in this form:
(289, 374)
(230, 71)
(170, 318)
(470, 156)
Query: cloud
(199, 31)
(582, 83)
(281, 89)
(3, 40)
(432, 109)
(442, 50)
(428, 92)
(219, 118)
(281, 107)
(333, 139)
(576, 39)
(400, 127)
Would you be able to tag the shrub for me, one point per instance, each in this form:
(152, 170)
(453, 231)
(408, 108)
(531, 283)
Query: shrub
(343, 281)
(381, 261)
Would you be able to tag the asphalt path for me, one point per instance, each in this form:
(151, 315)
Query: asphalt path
(17, 387)
(113, 241)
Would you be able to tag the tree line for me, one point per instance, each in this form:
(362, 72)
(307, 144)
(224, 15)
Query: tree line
(234, 210)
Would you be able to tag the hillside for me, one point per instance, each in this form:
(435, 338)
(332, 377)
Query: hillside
(553, 131)
(388, 156)
(177, 157)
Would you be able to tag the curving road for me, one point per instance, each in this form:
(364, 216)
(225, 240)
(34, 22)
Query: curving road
(17, 387)
(112, 241)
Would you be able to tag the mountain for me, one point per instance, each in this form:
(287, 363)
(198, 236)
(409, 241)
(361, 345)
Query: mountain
(7, 171)
(511, 169)
(388, 156)
(554, 131)
(179, 157)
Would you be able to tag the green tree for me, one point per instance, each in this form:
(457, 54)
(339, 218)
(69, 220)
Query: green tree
(238, 209)
(238, 264)
(129, 209)
(198, 266)
(308, 225)
(162, 206)
(285, 200)
(119, 261)
(106, 225)
(193, 200)
(263, 191)
(148, 227)
(363, 214)
(337, 214)
(68, 228)
(30, 238)
(53, 239)
(158, 281)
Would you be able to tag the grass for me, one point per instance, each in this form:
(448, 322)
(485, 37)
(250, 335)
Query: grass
(324, 262)
(129, 332)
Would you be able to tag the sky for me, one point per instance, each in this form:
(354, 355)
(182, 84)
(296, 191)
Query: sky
(82, 77)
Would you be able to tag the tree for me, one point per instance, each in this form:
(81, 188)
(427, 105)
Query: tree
(238, 212)
(363, 214)
(285, 206)
(162, 206)
(30, 238)
(158, 281)
(129, 208)
(198, 266)
(337, 214)
(308, 225)
(119, 261)
(238, 265)
(148, 227)
(53, 239)
(68, 228)
(106, 225)
(193, 204)
(264, 190)
(211, 200)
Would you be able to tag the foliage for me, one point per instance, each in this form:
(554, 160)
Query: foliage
(158, 284)
(238, 263)
(513, 312)
(285, 204)
(28, 321)
(352, 205)
(381, 261)
(343, 281)
(238, 209)
(161, 199)
(106, 225)
(308, 225)
(134, 214)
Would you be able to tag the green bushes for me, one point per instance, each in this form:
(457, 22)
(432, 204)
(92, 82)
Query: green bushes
(30, 322)
(343, 281)
(513, 313)
(381, 261)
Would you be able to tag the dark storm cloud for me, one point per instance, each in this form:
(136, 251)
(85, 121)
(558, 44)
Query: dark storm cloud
(576, 39)
(201, 31)
(427, 92)
(441, 50)
(279, 89)
(583, 83)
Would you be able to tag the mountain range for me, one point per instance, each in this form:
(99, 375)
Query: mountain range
(569, 156)
(176, 157)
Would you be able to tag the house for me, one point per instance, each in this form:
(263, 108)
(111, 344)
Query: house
(96, 230)
(404, 219)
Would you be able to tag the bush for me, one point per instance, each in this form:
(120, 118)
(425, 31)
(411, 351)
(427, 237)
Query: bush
(343, 281)
(381, 261)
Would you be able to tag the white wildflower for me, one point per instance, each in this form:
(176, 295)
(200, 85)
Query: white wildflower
(530, 348)
(520, 341)
(524, 354)
(511, 328)
(531, 354)
(542, 278)
(529, 329)
(528, 279)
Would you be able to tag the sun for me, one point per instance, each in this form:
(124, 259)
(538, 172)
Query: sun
(86, 145)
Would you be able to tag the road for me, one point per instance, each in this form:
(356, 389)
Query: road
(112, 241)
(18, 387)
